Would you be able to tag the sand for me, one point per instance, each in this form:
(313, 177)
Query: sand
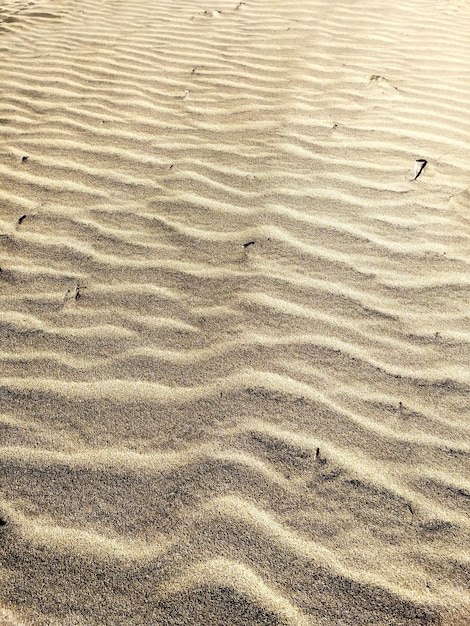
(234, 312)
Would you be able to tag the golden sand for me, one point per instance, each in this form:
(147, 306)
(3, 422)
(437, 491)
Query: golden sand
(234, 289)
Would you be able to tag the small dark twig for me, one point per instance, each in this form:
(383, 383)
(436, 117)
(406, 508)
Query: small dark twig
(420, 164)
(78, 295)
(21, 219)
(317, 453)
(250, 243)
(25, 158)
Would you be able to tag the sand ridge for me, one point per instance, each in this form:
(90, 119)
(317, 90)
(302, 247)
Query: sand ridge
(234, 346)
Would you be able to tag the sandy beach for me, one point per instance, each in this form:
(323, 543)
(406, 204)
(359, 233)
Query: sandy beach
(234, 307)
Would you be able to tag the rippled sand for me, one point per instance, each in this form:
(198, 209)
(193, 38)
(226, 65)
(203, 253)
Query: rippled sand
(234, 381)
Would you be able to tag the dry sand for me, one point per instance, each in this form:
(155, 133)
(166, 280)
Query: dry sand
(194, 431)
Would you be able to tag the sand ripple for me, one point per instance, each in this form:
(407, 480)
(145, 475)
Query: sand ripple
(234, 329)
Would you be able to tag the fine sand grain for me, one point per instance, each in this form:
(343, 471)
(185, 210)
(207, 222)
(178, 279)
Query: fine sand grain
(234, 383)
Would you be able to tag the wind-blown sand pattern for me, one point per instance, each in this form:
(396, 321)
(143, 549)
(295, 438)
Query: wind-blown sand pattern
(234, 384)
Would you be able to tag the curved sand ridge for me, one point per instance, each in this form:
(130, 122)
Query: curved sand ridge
(234, 383)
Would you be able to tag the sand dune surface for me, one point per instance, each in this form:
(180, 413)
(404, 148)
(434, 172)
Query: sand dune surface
(234, 291)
